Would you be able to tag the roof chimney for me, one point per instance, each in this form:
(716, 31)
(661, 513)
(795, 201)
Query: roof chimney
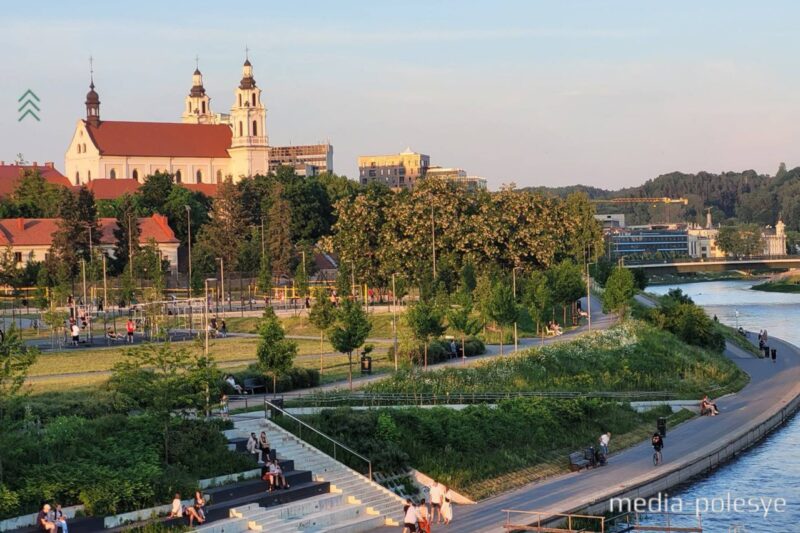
(50, 164)
(35, 164)
(21, 224)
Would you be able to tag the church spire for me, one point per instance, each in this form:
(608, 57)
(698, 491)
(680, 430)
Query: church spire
(198, 103)
(92, 99)
(247, 72)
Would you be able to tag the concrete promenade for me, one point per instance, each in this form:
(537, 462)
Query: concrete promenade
(691, 448)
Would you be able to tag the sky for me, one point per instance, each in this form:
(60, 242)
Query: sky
(604, 93)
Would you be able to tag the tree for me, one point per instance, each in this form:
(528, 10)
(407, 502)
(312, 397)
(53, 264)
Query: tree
(154, 192)
(426, 322)
(568, 284)
(35, 197)
(275, 353)
(79, 231)
(162, 380)
(228, 226)
(640, 278)
(349, 331)
(15, 361)
(460, 320)
(467, 278)
(502, 309)
(322, 315)
(537, 297)
(741, 240)
(619, 290)
(279, 242)
(126, 234)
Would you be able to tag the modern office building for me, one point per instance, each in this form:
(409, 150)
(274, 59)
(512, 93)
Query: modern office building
(611, 221)
(653, 240)
(306, 160)
(398, 171)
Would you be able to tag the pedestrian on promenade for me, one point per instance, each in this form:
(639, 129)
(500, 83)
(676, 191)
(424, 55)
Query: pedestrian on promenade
(774, 355)
(223, 407)
(76, 334)
(130, 327)
(447, 506)
(410, 517)
(605, 438)
(424, 524)
(436, 493)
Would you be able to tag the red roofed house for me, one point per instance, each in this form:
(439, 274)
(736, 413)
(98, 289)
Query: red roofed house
(31, 238)
(11, 174)
(203, 149)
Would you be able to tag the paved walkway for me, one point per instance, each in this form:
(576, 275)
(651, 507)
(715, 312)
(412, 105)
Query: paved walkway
(771, 386)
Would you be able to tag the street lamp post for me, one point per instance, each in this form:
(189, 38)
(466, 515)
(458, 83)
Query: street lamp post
(205, 314)
(222, 282)
(189, 242)
(394, 321)
(433, 243)
(514, 290)
(588, 256)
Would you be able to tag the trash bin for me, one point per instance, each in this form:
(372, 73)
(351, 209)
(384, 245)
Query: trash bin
(277, 402)
(366, 364)
(766, 352)
(661, 424)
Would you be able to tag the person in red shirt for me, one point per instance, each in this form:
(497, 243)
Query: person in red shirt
(130, 327)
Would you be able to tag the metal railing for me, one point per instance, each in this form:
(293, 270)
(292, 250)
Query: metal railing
(336, 444)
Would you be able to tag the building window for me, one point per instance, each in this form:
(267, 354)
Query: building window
(18, 257)
(371, 173)
(79, 148)
(135, 174)
(77, 178)
(199, 176)
(84, 148)
(112, 174)
(203, 105)
(240, 100)
(89, 175)
(240, 128)
(219, 176)
(255, 128)
(178, 176)
(254, 99)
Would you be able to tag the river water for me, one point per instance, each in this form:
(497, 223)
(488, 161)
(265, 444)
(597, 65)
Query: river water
(772, 468)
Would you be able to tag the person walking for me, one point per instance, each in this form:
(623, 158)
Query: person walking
(436, 492)
(447, 506)
(410, 517)
(423, 522)
(130, 328)
(605, 438)
(76, 334)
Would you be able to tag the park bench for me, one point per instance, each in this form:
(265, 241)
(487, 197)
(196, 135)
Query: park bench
(251, 385)
(578, 460)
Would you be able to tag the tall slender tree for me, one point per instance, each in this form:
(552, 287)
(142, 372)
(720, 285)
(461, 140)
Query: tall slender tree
(279, 237)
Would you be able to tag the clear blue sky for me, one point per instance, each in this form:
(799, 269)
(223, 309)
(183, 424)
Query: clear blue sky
(538, 93)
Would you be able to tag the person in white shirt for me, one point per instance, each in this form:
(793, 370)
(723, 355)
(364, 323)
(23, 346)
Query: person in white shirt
(605, 438)
(437, 495)
(252, 447)
(177, 507)
(447, 507)
(410, 519)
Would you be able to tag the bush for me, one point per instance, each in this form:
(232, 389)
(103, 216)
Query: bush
(438, 351)
(9, 501)
(296, 378)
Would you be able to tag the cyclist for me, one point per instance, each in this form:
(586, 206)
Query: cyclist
(658, 443)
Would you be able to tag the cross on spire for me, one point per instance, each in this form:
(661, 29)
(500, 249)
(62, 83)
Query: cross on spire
(91, 71)
(246, 52)
(197, 62)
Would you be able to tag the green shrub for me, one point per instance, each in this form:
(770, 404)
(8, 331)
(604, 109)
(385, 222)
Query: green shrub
(9, 501)
(296, 378)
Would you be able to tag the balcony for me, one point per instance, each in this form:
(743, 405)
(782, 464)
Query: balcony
(249, 141)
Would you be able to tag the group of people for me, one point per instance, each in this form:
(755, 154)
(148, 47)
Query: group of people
(215, 328)
(553, 328)
(194, 512)
(259, 446)
(272, 473)
(417, 518)
(52, 520)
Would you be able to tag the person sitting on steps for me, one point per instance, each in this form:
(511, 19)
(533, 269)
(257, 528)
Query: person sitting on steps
(707, 407)
(252, 447)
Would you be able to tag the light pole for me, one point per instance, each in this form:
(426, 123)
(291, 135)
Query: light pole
(433, 243)
(205, 314)
(189, 242)
(587, 257)
(105, 288)
(514, 290)
(222, 282)
(88, 318)
(394, 321)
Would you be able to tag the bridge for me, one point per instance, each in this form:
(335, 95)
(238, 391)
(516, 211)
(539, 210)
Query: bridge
(716, 264)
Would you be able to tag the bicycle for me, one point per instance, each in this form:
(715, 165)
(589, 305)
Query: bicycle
(657, 458)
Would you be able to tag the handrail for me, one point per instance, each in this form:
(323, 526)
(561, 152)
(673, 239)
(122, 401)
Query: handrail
(321, 434)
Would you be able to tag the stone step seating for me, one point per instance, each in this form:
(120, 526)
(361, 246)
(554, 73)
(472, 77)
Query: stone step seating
(356, 504)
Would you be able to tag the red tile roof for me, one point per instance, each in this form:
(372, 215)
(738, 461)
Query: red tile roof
(209, 189)
(161, 139)
(108, 189)
(10, 175)
(39, 231)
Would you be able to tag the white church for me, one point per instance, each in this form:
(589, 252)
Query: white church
(206, 147)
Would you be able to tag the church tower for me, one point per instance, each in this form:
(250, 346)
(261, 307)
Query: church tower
(198, 104)
(92, 105)
(248, 123)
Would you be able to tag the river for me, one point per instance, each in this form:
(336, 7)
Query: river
(772, 468)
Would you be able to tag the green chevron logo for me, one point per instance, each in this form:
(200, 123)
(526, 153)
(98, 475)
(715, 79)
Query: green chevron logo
(28, 101)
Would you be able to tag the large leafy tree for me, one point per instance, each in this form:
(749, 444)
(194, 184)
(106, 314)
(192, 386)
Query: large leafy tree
(741, 240)
(620, 288)
(460, 319)
(163, 380)
(537, 297)
(275, 353)
(16, 358)
(279, 241)
(322, 315)
(126, 234)
(154, 192)
(228, 225)
(568, 284)
(502, 308)
(35, 197)
(79, 231)
(426, 322)
(349, 331)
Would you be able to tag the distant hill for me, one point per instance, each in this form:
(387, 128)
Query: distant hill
(744, 196)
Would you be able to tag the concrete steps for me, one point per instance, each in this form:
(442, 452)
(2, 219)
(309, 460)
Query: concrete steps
(355, 503)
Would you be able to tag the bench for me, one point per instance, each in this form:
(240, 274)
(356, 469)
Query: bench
(251, 385)
(578, 460)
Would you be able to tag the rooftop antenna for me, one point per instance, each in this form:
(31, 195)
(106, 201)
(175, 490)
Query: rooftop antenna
(91, 71)
(197, 62)
(246, 52)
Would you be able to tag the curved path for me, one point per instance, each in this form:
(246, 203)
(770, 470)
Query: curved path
(772, 386)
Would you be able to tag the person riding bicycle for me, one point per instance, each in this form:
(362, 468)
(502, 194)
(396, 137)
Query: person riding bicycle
(657, 441)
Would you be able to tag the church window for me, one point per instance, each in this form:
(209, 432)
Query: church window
(189, 107)
(77, 178)
(203, 105)
(240, 100)
(89, 175)
(112, 174)
(178, 176)
(135, 174)
(219, 176)
(255, 129)
(254, 99)
(84, 148)
(240, 128)
(199, 176)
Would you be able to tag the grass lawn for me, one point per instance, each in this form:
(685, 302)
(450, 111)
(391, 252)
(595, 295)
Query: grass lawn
(50, 366)
(791, 284)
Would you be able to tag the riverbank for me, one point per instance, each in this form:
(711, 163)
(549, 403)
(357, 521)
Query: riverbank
(694, 447)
